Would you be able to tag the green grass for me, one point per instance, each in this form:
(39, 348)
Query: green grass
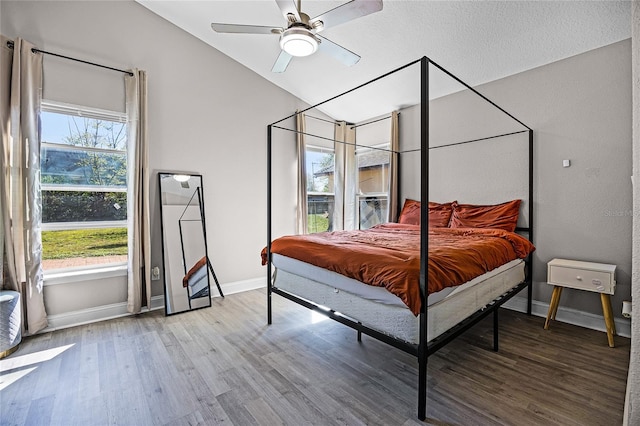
(84, 243)
(317, 223)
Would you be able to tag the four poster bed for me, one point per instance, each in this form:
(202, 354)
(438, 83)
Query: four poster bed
(416, 284)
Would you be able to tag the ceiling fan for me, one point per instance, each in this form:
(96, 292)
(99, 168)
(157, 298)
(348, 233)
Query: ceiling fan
(300, 37)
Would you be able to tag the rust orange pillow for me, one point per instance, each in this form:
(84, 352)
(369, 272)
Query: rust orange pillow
(439, 214)
(410, 214)
(500, 216)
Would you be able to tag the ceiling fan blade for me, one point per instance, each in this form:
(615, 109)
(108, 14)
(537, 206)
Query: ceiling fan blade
(347, 12)
(282, 62)
(288, 7)
(244, 29)
(340, 53)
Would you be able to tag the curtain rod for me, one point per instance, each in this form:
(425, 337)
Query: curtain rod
(353, 126)
(372, 121)
(320, 119)
(34, 50)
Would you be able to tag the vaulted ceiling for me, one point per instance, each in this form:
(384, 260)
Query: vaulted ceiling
(479, 41)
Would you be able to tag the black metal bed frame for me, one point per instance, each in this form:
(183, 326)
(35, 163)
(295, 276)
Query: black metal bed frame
(423, 349)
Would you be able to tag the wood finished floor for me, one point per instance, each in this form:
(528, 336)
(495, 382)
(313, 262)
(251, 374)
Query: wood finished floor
(224, 365)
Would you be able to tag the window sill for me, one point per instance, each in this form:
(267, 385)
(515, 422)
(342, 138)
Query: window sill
(84, 274)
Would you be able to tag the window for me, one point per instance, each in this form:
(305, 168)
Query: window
(372, 165)
(372, 173)
(320, 164)
(354, 193)
(83, 163)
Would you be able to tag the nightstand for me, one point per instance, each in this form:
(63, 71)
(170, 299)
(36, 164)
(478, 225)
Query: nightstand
(589, 276)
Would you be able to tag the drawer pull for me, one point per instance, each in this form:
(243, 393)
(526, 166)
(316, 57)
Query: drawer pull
(579, 278)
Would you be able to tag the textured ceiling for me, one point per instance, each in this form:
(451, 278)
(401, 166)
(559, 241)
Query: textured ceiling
(479, 41)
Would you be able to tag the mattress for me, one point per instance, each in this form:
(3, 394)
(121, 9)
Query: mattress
(377, 308)
(199, 283)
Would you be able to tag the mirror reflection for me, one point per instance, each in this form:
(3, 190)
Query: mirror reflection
(184, 246)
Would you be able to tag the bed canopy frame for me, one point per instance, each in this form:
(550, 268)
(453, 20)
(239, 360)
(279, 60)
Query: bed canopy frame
(424, 348)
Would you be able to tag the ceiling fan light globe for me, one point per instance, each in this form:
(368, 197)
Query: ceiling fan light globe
(298, 42)
(181, 178)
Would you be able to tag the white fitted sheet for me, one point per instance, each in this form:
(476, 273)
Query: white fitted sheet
(379, 309)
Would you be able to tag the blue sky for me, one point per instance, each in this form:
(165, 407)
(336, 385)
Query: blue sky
(55, 126)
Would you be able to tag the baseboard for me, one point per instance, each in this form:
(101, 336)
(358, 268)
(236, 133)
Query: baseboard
(157, 302)
(239, 286)
(118, 310)
(86, 316)
(570, 316)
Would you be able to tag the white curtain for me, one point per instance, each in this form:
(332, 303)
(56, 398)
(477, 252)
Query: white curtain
(6, 257)
(139, 240)
(393, 168)
(301, 210)
(344, 215)
(20, 195)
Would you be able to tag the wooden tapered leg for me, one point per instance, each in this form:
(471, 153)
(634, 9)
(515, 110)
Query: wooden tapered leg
(553, 306)
(613, 323)
(550, 311)
(608, 318)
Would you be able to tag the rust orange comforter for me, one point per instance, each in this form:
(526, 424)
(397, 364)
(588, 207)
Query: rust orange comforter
(388, 255)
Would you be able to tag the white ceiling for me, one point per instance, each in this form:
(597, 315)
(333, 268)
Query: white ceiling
(479, 41)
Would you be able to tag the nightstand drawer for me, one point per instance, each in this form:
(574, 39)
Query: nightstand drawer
(582, 276)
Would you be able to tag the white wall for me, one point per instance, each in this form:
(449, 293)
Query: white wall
(207, 114)
(579, 109)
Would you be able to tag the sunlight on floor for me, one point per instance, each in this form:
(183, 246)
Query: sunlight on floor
(9, 378)
(17, 362)
(317, 317)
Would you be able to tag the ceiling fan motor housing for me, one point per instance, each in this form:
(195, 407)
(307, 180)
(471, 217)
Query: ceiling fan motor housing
(299, 40)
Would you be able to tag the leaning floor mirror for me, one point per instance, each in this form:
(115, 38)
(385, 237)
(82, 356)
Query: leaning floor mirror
(184, 244)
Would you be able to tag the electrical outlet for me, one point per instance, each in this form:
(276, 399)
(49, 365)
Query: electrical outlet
(155, 274)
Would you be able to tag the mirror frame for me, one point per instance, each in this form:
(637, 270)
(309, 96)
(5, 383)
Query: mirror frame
(166, 280)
